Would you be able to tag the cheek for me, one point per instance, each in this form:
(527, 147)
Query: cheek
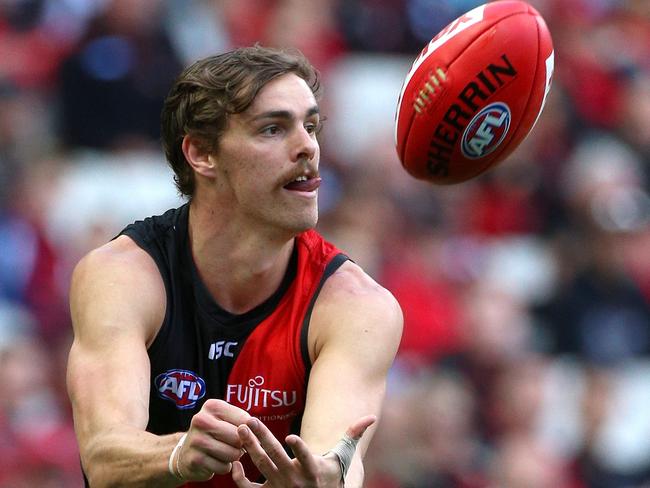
(252, 181)
(244, 168)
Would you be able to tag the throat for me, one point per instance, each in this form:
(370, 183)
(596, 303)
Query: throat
(238, 289)
(239, 268)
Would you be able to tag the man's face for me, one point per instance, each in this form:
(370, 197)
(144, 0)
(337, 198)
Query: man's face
(268, 158)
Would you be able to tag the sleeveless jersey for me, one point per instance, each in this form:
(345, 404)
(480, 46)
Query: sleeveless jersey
(257, 361)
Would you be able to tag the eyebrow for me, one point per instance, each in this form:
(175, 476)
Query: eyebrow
(284, 114)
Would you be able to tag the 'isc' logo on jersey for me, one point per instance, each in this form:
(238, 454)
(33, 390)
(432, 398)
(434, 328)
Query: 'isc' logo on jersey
(180, 386)
(486, 131)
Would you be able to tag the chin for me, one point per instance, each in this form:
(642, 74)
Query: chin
(305, 226)
(303, 223)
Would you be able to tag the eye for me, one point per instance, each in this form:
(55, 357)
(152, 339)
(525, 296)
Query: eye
(314, 127)
(271, 130)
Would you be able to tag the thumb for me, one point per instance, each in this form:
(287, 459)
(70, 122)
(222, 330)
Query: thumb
(238, 475)
(359, 427)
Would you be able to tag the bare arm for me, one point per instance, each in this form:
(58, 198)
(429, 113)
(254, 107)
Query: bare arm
(354, 335)
(117, 304)
(116, 298)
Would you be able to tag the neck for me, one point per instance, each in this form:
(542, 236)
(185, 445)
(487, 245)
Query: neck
(240, 267)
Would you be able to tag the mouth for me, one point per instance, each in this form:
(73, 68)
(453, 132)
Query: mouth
(304, 183)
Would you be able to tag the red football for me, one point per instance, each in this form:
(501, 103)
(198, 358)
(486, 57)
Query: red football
(474, 92)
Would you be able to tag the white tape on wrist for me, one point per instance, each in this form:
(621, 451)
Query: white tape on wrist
(173, 463)
(344, 450)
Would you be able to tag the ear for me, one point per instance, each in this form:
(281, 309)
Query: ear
(200, 160)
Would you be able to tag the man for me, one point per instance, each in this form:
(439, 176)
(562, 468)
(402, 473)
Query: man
(207, 338)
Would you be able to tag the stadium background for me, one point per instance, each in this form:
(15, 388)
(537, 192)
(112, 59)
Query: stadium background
(526, 292)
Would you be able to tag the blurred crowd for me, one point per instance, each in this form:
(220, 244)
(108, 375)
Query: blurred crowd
(525, 361)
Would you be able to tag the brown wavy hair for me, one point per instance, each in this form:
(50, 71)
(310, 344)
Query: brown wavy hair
(211, 89)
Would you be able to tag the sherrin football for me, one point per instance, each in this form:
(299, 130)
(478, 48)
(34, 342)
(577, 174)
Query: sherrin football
(474, 92)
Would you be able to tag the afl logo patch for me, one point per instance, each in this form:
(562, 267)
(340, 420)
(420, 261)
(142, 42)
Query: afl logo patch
(486, 131)
(180, 386)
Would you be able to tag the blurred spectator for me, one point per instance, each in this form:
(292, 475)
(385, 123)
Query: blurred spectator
(429, 300)
(504, 202)
(196, 29)
(496, 334)
(634, 249)
(377, 26)
(37, 442)
(396, 26)
(32, 42)
(29, 263)
(425, 437)
(308, 26)
(633, 125)
(112, 86)
(521, 463)
(246, 20)
(26, 135)
(614, 450)
(600, 314)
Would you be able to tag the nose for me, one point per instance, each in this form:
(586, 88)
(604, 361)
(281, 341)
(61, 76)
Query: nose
(305, 145)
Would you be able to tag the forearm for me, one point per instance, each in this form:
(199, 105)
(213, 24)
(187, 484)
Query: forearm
(127, 457)
(355, 476)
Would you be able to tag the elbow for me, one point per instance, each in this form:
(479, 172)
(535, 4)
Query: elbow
(95, 468)
(92, 471)
(99, 477)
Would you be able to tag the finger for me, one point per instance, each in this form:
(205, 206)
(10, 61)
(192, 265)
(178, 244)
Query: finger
(303, 454)
(239, 477)
(272, 446)
(204, 456)
(211, 446)
(257, 454)
(205, 445)
(204, 465)
(227, 436)
(206, 421)
(193, 464)
(358, 428)
(225, 411)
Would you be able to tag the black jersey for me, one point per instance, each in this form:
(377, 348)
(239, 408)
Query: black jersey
(257, 361)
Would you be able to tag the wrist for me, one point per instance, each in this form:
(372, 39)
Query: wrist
(173, 464)
(334, 469)
(344, 451)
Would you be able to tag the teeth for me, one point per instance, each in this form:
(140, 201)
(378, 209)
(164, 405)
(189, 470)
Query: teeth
(301, 178)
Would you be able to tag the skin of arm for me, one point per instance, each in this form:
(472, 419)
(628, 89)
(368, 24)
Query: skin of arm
(116, 297)
(354, 334)
(117, 302)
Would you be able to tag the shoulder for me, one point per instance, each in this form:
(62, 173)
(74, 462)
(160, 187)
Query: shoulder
(350, 284)
(119, 283)
(353, 305)
(119, 260)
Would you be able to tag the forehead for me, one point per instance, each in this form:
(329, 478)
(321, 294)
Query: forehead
(288, 92)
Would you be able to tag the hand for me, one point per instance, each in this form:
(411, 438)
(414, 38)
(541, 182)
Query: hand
(212, 442)
(280, 470)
